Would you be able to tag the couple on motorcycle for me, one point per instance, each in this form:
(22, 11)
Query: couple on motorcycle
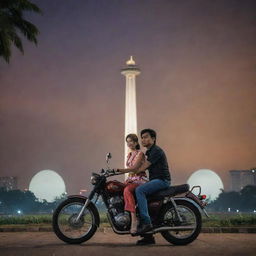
(137, 183)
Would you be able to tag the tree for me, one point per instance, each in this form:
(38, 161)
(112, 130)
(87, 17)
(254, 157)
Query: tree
(12, 22)
(15, 200)
(226, 200)
(245, 200)
(248, 197)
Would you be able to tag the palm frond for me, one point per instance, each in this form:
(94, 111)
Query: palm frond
(11, 20)
(5, 46)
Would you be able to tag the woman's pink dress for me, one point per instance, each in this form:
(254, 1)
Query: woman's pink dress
(132, 181)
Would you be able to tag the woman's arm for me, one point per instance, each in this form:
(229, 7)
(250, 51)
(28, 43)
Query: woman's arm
(144, 166)
(136, 165)
(152, 159)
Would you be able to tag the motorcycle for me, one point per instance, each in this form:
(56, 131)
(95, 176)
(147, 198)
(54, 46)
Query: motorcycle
(175, 212)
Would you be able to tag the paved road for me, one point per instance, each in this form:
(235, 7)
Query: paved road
(110, 244)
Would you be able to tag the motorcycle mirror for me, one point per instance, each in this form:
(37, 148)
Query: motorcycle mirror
(108, 156)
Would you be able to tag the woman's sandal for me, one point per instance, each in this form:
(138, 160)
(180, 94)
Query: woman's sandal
(133, 230)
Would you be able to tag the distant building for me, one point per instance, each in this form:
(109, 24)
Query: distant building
(10, 183)
(242, 178)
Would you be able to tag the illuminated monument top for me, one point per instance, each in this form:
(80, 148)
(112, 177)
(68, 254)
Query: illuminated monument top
(130, 61)
(131, 68)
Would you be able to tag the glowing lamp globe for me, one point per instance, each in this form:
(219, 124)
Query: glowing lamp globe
(210, 182)
(47, 184)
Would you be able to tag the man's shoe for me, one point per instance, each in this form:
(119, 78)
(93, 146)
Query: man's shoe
(146, 241)
(144, 228)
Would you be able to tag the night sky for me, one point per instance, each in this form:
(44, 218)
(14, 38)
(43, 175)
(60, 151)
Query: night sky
(62, 103)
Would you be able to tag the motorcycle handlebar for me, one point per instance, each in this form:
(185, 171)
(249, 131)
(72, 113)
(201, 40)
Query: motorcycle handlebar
(110, 172)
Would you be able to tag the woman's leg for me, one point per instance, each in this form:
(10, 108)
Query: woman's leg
(129, 197)
(130, 204)
(133, 222)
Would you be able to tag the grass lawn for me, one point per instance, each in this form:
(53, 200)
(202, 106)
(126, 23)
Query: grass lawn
(215, 220)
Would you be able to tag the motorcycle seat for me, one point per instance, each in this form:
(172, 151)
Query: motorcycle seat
(171, 191)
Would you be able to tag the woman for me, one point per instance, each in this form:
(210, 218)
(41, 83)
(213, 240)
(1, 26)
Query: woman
(134, 160)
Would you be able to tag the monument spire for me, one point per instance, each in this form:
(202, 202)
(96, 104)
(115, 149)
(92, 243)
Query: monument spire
(130, 72)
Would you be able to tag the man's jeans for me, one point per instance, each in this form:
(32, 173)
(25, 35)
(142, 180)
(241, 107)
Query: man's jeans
(145, 190)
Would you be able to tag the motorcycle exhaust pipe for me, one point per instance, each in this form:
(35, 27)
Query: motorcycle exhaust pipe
(178, 228)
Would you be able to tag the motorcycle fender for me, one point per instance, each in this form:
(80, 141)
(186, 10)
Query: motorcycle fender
(97, 216)
(189, 200)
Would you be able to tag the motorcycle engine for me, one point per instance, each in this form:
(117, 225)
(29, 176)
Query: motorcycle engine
(116, 207)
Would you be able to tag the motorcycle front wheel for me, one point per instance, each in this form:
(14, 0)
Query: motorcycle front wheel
(191, 221)
(65, 225)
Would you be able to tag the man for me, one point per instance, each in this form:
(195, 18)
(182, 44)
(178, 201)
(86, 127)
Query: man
(159, 178)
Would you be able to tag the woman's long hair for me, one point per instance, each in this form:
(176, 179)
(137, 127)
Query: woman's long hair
(134, 138)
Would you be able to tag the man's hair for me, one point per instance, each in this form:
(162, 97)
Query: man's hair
(151, 132)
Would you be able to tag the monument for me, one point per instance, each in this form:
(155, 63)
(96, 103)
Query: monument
(130, 72)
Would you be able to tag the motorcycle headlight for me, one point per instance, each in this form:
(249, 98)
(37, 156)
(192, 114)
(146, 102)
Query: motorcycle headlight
(94, 179)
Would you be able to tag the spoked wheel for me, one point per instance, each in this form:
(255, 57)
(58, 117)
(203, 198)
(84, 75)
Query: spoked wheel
(65, 225)
(191, 221)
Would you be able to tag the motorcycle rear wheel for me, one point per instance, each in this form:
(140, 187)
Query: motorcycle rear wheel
(192, 213)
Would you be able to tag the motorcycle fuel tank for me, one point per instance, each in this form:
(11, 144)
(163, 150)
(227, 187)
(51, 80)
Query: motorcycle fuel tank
(114, 186)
